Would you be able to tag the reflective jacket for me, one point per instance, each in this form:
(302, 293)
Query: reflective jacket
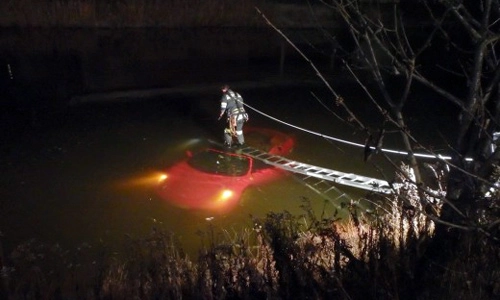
(232, 103)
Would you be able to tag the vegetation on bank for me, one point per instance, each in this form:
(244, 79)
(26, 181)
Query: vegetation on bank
(129, 13)
(435, 238)
(381, 254)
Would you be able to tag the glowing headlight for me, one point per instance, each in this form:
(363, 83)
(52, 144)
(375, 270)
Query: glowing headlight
(162, 177)
(226, 194)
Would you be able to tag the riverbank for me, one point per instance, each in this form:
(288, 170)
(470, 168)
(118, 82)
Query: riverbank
(165, 14)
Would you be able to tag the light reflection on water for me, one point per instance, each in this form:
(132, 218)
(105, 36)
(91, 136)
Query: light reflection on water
(92, 179)
(89, 177)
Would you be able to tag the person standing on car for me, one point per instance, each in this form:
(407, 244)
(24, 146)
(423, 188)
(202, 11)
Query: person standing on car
(232, 104)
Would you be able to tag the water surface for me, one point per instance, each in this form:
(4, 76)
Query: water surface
(84, 172)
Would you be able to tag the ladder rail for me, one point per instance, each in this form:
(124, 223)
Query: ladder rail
(348, 179)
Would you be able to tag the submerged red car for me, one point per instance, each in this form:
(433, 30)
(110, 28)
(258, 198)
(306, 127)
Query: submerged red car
(215, 177)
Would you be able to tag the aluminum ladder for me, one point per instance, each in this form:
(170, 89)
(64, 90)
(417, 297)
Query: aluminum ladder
(348, 179)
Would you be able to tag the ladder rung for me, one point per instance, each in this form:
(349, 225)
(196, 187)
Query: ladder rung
(323, 174)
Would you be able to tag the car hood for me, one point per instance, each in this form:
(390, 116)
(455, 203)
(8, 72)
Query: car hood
(190, 188)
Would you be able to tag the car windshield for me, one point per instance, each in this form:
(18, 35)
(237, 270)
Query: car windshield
(220, 163)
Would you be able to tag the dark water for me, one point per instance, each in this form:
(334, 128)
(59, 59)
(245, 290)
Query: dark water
(84, 171)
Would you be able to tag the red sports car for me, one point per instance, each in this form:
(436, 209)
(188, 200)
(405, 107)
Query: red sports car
(215, 178)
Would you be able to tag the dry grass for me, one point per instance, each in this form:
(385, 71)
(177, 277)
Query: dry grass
(369, 256)
(153, 268)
